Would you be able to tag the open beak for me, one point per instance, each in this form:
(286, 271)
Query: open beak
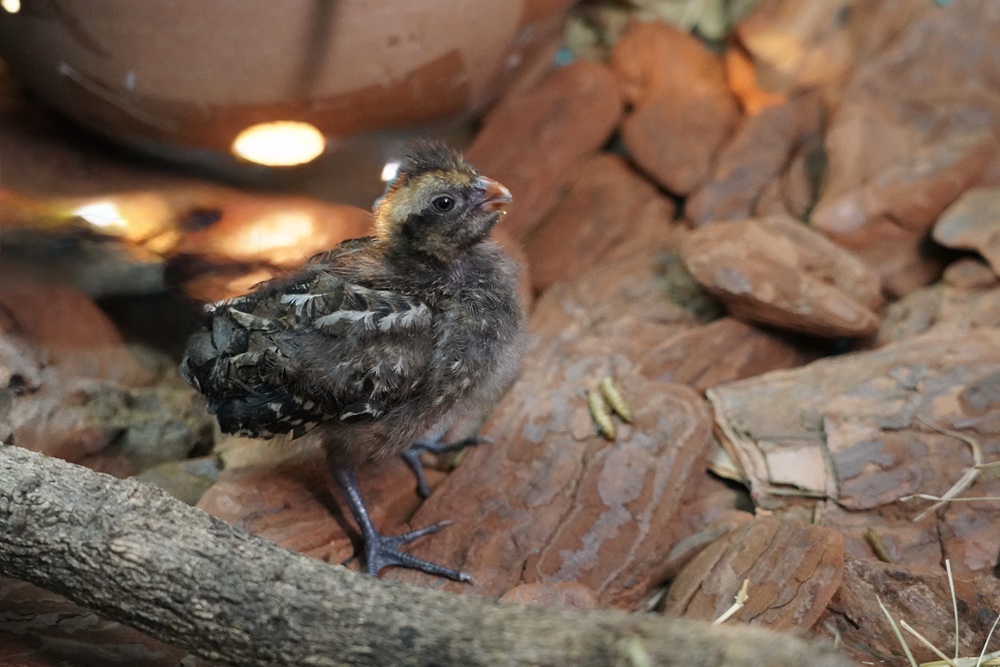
(495, 196)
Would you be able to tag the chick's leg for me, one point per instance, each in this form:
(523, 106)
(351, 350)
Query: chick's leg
(383, 551)
(436, 447)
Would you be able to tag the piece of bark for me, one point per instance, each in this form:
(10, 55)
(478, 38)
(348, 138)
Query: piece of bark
(967, 298)
(968, 273)
(899, 540)
(922, 598)
(796, 46)
(723, 351)
(777, 271)
(39, 628)
(632, 303)
(907, 140)
(281, 491)
(793, 569)
(552, 500)
(608, 212)
(972, 222)
(531, 142)
(813, 48)
(683, 110)
(865, 429)
(741, 74)
(710, 509)
(969, 529)
(760, 149)
(135, 554)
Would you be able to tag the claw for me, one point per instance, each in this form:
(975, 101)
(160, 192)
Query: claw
(412, 456)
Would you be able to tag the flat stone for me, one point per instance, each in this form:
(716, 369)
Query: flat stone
(776, 271)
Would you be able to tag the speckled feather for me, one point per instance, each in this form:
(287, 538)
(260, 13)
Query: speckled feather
(381, 340)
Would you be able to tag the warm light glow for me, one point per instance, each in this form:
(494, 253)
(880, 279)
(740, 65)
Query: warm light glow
(279, 236)
(12, 6)
(102, 214)
(390, 170)
(280, 143)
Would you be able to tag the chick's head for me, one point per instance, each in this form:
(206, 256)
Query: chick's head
(438, 206)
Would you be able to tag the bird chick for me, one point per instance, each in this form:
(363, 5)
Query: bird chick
(379, 344)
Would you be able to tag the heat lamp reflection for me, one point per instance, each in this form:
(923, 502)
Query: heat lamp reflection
(102, 214)
(280, 143)
(278, 236)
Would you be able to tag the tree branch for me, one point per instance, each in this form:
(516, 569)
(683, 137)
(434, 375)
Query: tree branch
(140, 557)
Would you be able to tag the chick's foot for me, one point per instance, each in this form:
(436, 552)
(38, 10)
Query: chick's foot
(384, 551)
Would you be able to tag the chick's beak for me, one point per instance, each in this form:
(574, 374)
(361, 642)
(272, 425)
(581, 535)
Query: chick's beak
(494, 195)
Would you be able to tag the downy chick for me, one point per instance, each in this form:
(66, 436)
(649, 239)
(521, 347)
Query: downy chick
(379, 344)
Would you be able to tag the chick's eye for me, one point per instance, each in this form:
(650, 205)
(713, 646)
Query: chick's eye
(443, 203)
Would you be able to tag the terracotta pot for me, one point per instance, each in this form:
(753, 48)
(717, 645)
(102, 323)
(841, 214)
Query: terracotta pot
(191, 74)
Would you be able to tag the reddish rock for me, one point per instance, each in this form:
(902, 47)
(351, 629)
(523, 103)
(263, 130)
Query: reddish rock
(74, 335)
(922, 598)
(906, 141)
(531, 141)
(683, 111)
(754, 158)
(973, 223)
(793, 569)
(777, 271)
(561, 594)
(608, 212)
